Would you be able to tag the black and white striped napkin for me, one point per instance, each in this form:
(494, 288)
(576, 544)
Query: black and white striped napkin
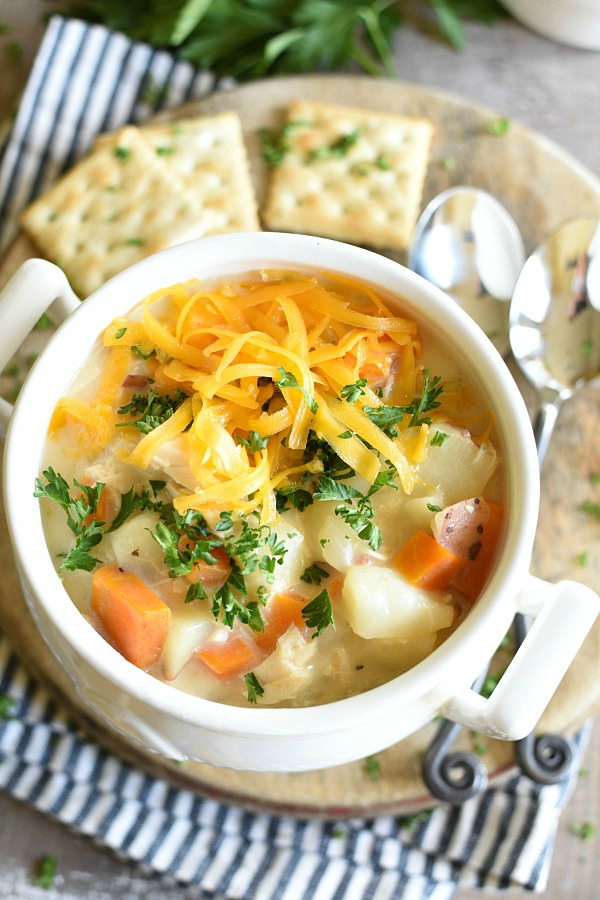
(86, 80)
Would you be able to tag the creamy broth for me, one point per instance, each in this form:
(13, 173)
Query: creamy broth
(280, 491)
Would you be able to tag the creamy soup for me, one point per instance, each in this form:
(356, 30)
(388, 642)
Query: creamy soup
(274, 490)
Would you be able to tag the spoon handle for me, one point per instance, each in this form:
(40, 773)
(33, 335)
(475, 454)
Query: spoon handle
(543, 425)
(545, 759)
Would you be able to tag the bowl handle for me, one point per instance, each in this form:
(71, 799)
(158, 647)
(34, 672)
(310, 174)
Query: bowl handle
(35, 287)
(564, 612)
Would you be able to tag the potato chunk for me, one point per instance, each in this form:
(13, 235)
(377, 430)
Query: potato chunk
(460, 468)
(380, 603)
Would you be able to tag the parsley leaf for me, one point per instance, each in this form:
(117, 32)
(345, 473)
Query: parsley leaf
(183, 543)
(387, 417)
(373, 768)
(331, 489)
(319, 613)
(288, 380)
(314, 574)
(254, 443)
(46, 872)
(132, 501)
(80, 511)
(150, 410)
(439, 439)
(351, 392)
(227, 606)
(253, 38)
(255, 688)
(361, 523)
(274, 145)
(336, 149)
(195, 591)
(297, 496)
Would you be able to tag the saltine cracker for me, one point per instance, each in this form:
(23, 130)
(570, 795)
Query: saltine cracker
(351, 174)
(142, 190)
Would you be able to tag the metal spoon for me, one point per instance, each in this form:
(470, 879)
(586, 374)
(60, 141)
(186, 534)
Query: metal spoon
(555, 319)
(467, 244)
(555, 339)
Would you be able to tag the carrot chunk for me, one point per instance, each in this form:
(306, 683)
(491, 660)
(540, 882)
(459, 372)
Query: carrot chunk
(229, 657)
(107, 506)
(473, 578)
(427, 564)
(281, 611)
(211, 574)
(136, 619)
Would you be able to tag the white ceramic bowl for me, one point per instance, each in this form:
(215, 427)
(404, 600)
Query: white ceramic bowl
(173, 723)
(575, 22)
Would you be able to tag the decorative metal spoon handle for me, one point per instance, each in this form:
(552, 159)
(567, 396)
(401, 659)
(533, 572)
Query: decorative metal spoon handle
(545, 759)
(453, 777)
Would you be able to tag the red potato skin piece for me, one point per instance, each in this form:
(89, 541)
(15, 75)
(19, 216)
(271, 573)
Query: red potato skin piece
(462, 525)
(475, 575)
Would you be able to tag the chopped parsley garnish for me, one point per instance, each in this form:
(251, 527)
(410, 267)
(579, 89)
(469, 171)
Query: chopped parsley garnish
(591, 508)
(164, 151)
(414, 818)
(583, 830)
(43, 322)
(254, 443)
(184, 540)
(314, 574)
(132, 501)
(357, 517)
(433, 507)
(195, 592)
(81, 510)
(491, 683)
(141, 353)
(274, 145)
(7, 705)
(288, 380)
(439, 439)
(351, 392)
(319, 613)
(122, 153)
(297, 497)
(373, 768)
(134, 242)
(335, 150)
(46, 872)
(498, 126)
(582, 559)
(227, 605)
(255, 688)
(88, 532)
(150, 410)
(387, 417)
(119, 334)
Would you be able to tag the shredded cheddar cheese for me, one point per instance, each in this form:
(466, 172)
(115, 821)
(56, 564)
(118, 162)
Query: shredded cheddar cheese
(226, 349)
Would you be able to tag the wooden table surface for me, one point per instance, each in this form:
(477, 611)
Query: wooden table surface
(547, 86)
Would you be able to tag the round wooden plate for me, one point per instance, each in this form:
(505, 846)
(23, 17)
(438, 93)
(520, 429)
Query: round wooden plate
(541, 186)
